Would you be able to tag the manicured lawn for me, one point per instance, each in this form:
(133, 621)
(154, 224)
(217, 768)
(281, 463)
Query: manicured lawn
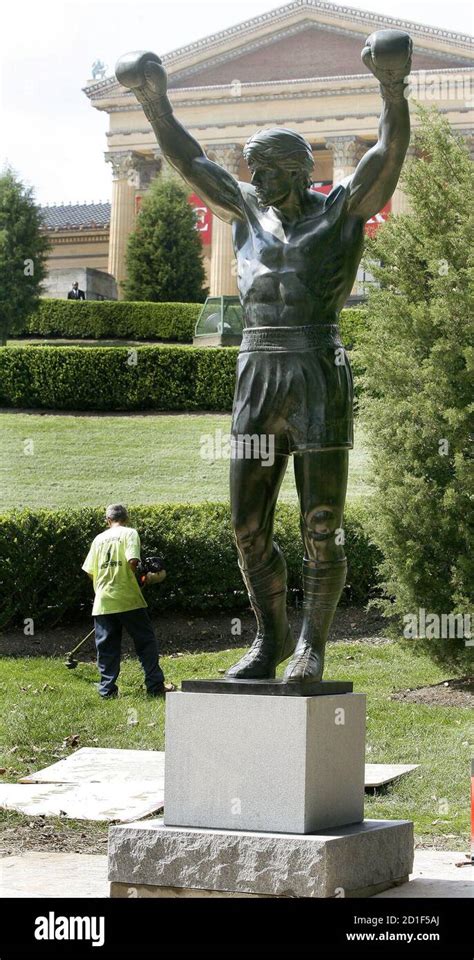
(43, 704)
(89, 460)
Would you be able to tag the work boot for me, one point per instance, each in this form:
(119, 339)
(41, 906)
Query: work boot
(162, 690)
(111, 695)
(323, 584)
(273, 643)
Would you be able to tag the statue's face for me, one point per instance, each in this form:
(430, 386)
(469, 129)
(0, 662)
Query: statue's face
(272, 183)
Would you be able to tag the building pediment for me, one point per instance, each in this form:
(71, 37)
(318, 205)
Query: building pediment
(305, 38)
(306, 49)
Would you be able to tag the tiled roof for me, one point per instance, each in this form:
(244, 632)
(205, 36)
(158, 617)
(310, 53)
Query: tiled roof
(76, 216)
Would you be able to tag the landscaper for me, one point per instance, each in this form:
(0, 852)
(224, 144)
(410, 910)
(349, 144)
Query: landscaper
(119, 602)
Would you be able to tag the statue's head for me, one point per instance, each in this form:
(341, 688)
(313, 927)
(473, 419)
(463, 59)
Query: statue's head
(280, 161)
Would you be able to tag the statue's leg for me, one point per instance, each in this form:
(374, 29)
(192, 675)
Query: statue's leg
(254, 489)
(321, 480)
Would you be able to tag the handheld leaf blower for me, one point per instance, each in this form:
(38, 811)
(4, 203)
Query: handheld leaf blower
(148, 570)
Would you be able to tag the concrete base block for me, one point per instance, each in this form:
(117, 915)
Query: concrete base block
(123, 891)
(140, 891)
(266, 763)
(150, 859)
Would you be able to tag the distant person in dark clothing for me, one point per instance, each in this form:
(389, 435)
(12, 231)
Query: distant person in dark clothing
(75, 293)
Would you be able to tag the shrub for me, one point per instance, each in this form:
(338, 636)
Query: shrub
(135, 320)
(418, 355)
(108, 378)
(23, 252)
(41, 553)
(117, 378)
(164, 252)
(352, 321)
(113, 319)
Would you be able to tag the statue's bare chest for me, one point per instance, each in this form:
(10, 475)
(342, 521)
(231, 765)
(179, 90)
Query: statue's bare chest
(266, 243)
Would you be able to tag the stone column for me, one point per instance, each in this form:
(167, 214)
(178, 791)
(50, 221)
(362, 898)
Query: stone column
(346, 153)
(223, 278)
(131, 172)
(168, 172)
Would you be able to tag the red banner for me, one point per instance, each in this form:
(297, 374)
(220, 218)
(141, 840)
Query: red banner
(203, 218)
(321, 186)
(204, 215)
(372, 225)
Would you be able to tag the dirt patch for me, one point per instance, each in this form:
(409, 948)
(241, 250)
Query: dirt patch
(187, 633)
(445, 841)
(18, 834)
(458, 692)
(51, 836)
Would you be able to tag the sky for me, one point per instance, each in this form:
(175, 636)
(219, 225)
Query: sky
(51, 135)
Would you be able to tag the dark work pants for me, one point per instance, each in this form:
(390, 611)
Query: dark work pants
(108, 640)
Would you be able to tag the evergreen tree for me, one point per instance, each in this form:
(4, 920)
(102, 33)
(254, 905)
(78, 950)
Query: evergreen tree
(418, 356)
(23, 251)
(164, 254)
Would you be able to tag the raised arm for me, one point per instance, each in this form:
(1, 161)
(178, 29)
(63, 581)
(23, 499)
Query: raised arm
(387, 54)
(144, 74)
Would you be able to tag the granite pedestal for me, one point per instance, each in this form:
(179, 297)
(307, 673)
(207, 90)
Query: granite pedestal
(264, 797)
(149, 859)
(289, 764)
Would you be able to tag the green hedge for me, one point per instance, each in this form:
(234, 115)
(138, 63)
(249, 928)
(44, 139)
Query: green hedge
(113, 319)
(41, 553)
(164, 377)
(126, 320)
(107, 378)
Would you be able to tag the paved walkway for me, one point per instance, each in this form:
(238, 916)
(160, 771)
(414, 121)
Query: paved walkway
(435, 874)
(69, 875)
(54, 875)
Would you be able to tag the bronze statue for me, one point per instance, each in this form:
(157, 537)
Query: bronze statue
(297, 255)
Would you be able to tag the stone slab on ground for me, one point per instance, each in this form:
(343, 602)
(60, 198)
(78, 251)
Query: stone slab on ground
(378, 774)
(83, 801)
(359, 860)
(278, 764)
(85, 785)
(64, 875)
(103, 765)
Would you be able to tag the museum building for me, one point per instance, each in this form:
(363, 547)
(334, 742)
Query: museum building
(297, 66)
